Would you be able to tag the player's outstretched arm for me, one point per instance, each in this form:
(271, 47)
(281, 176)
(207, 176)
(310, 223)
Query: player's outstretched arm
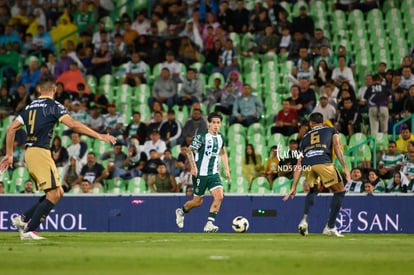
(340, 156)
(296, 176)
(83, 129)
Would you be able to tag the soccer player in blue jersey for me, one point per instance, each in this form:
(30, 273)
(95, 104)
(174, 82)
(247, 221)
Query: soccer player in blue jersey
(203, 155)
(39, 119)
(316, 162)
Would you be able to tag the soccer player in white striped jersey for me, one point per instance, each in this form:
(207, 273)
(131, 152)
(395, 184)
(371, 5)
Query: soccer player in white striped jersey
(203, 155)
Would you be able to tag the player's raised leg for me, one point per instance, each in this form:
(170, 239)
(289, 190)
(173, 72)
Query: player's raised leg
(218, 196)
(336, 203)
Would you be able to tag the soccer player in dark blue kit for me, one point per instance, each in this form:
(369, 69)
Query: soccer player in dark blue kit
(39, 118)
(317, 164)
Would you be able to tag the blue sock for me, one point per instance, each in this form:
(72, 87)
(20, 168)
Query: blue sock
(309, 200)
(40, 214)
(336, 204)
(29, 213)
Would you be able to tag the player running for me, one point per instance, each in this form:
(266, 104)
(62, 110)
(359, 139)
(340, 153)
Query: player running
(207, 146)
(317, 165)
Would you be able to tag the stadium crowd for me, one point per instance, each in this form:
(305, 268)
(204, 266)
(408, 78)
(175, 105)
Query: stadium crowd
(150, 77)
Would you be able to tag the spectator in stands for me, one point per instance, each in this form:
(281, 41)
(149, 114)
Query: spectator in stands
(326, 109)
(173, 66)
(117, 157)
(77, 148)
(192, 34)
(71, 173)
(408, 105)
(212, 57)
(100, 101)
(81, 95)
(224, 15)
(114, 122)
(374, 179)
(155, 143)
(303, 23)
(272, 166)
(390, 161)
(70, 48)
(285, 41)
(84, 43)
(172, 163)
(348, 120)
(164, 89)
(92, 171)
(195, 124)
(378, 96)
(252, 164)
(342, 73)
(43, 41)
(308, 98)
(162, 181)
(102, 61)
(170, 130)
(182, 157)
(141, 24)
(295, 101)
(30, 76)
(362, 102)
(20, 100)
(286, 121)
(174, 18)
(192, 89)
(78, 113)
(83, 18)
(319, 39)
(136, 129)
(322, 74)
(343, 52)
(95, 120)
(269, 42)
(324, 54)
(228, 59)
(155, 123)
(10, 35)
(85, 187)
(208, 41)
(213, 94)
(407, 78)
(64, 30)
(5, 103)
(160, 23)
(120, 51)
(61, 95)
(356, 185)
(59, 153)
(369, 188)
(71, 78)
(9, 61)
(28, 187)
(135, 71)
(345, 5)
(298, 41)
(247, 108)
(188, 52)
(399, 184)
(259, 24)
(150, 167)
(102, 36)
(135, 160)
(405, 138)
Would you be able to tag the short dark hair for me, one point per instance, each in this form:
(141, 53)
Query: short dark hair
(316, 117)
(214, 115)
(46, 82)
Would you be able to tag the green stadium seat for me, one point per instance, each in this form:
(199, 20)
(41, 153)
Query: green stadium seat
(356, 139)
(108, 90)
(140, 5)
(348, 163)
(107, 79)
(260, 185)
(239, 185)
(115, 186)
(214, 76)
(363, 154)
(281, 185)
(137, 185)
(276, 139)
(236, 128)
(144, 110)
(256, 128)
(297, 6)
(91, 82)
(381, 142)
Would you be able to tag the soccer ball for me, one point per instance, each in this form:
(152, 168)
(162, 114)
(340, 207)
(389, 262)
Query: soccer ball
(240, 224)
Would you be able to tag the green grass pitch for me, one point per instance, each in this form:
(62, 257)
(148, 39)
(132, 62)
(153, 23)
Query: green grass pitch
(190, 253)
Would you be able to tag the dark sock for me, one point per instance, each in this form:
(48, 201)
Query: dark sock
(309, 201)
(212, 216)
(184, 210)
(29, 213)
(336, 204)
(40, 215)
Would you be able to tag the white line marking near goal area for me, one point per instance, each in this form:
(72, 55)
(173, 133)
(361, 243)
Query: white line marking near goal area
(217, 257)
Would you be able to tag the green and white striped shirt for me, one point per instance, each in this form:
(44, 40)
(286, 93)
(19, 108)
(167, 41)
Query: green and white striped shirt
(389, 160)
(207, 151)
(355, 186)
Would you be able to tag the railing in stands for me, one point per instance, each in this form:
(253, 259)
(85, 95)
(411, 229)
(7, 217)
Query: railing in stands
(394, 128)
(355, 148)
